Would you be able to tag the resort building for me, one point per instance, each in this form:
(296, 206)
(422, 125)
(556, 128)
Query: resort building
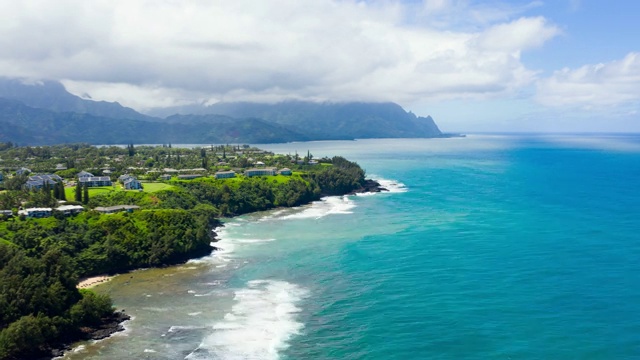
(225, 174)
(38, 181)
(36, 212)
(260, 172)
(132, 184)
(117, 208)
(285, 171)
(95, 181)
(189, 176)
(70, 209)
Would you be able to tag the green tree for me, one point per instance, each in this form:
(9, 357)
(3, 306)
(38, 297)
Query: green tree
(63, 196)
(78, 193)
(85, 196)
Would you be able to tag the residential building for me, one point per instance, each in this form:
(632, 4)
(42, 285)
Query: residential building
(165, 177)
(117, 208)
(1, 177)
(125, 177)
(132, 184)
(70, 209)
(7, 213)
(84, 174)
(189, 176)
(37, 181)
(95, 181)
(260, 172)
(61, 167)
(225, 174)
(36, 212)
(285, 171)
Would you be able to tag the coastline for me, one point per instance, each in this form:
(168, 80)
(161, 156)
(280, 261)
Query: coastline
(113, 324)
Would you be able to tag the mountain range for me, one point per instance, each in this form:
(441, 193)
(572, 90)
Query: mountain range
(46, 113)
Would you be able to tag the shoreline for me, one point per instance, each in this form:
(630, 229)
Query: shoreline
(114, 323)
(87, 283)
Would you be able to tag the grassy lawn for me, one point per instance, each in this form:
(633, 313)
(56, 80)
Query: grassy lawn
(152, 187)
(71, 191)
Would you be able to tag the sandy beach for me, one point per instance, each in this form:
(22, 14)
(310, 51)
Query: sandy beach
(93, 281)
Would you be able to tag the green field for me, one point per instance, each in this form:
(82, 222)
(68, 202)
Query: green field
(155, 186)
(148, 187)
(70, 191)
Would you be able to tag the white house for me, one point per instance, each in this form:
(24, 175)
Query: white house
(36, 212)
(70, 209)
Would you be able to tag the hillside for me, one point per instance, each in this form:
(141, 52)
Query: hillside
(26, 125)
(327, 120)
(46, 113)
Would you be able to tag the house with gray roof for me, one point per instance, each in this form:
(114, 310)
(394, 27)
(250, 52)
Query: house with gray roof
(132, 184)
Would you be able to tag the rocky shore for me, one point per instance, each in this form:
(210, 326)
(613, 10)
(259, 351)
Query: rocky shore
(110, 326)
(370, 186)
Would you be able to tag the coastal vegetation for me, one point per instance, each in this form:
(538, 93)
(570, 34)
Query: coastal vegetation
(167, 222)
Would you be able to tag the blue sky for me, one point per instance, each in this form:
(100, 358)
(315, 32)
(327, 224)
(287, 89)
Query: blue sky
(563, 65)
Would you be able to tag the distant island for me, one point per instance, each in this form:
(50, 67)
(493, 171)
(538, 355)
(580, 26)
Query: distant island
(73, 211)
(46, 113)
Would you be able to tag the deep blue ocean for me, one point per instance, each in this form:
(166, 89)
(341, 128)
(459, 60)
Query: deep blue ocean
(487, 247)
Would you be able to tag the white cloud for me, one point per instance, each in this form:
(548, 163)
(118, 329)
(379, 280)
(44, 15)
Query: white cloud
(161, 53)
(601, 85)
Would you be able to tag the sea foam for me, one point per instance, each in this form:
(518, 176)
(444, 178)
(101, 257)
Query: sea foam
(326, 206)
(258, 326)
(393, 186)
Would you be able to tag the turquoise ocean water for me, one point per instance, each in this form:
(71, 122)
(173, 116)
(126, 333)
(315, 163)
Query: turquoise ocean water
(488, 247)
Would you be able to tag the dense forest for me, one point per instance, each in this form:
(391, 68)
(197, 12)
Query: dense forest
(41, 260)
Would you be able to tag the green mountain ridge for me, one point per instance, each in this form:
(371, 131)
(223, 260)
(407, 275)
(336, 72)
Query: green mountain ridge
(46, 113)
(26, 125)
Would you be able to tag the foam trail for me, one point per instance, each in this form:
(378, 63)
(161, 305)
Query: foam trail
(392, 185)
(259, 325)
(326, 206)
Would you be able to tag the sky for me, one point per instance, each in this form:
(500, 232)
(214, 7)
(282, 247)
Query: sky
(475, 66)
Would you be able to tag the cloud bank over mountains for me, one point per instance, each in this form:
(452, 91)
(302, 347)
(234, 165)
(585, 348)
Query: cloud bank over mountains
(171, 52)
(147, 54)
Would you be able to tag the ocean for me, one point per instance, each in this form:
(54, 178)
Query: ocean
(486, 247)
